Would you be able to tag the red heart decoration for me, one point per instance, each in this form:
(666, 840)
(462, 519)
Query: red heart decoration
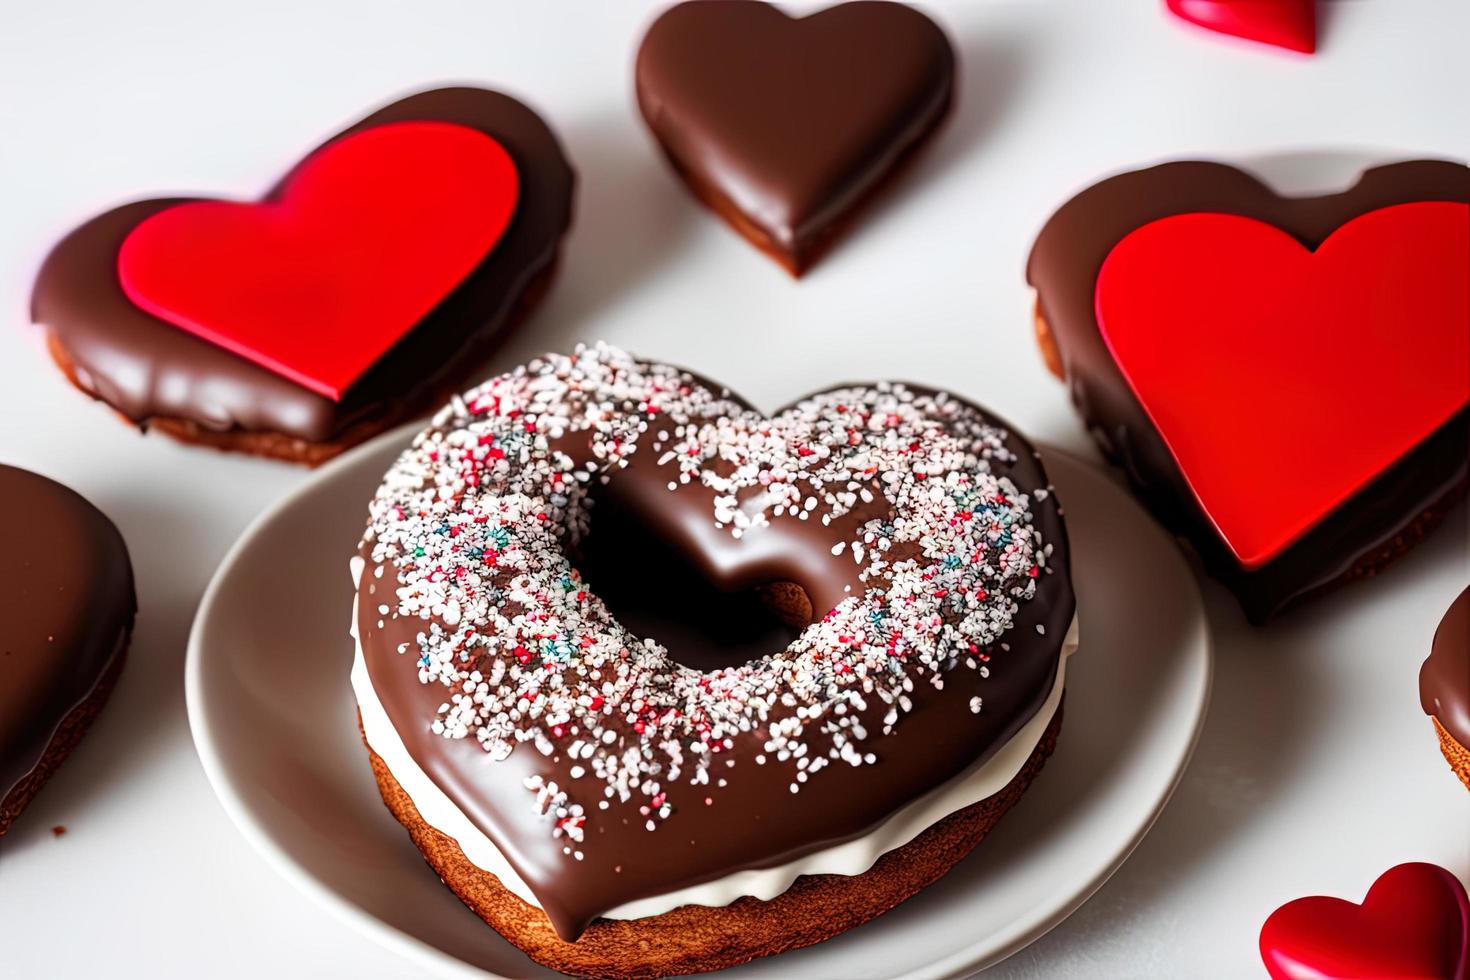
(316, 283)
(1284, 380)
(1290, 24)
(1413, 923)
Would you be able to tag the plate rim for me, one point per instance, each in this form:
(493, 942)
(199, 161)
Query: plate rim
(964, 962)
(210, 757)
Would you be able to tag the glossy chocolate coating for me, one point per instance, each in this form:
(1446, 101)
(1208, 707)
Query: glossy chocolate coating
(793, 121)
(1063, 268)
(1444, 680)
(147, 368)
(66, 611)
(755, 821)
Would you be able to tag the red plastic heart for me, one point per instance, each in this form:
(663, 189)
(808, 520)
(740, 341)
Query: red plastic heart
(1290, 24)
(1413, 923)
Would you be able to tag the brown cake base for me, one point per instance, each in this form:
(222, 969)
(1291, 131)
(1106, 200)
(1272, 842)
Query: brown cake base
(68, 734)
(293, 449)
(697, 938)
(1457, 755)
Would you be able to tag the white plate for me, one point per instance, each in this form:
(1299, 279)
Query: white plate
(273, 718)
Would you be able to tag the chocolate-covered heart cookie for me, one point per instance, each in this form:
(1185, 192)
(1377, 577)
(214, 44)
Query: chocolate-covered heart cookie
(360, 290)
(66, 613)
(1282, 379)
(786, 126)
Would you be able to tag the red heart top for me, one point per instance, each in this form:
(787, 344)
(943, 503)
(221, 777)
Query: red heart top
(1290, 24)
(1284, 380)
(366, 236)
(1413, 925)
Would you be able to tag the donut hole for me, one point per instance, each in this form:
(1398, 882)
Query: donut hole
(788, 602)
(658, 594)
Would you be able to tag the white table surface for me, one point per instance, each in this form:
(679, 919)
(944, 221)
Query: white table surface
(1316, 770)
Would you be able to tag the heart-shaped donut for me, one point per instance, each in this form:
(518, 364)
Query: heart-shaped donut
(786, 126)
(593, 790)
(1280, 378)
(1414, 922)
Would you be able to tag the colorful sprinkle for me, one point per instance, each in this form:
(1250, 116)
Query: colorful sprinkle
(474, 517)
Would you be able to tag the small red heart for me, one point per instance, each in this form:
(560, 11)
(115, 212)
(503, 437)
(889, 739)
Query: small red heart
(1413, 925)
(1284, 380)
(317, 282)
(1290, 24)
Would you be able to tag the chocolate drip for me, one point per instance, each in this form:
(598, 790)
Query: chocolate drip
(791, 122)
(1444, 680)
(755, 821)
(66, 610)
(147, 368)
(1063, 268)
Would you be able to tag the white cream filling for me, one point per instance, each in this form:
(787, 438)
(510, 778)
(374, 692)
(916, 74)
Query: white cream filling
(852, 858)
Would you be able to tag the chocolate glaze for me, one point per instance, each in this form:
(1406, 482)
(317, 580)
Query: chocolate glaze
(792, 120)
(1444, 680)
(147, 368)
(755, 821)
(66, 611)
(1063, 268)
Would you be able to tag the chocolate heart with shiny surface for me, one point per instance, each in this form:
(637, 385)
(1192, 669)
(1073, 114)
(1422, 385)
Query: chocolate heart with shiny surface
(468, 566)
(784, 125)
(66, 612)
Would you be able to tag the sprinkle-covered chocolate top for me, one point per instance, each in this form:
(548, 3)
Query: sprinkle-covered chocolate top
(895, 510)
(475, 520)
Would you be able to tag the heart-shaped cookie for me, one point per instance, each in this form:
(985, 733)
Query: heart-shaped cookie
(357, 276)
(786, 126)
(1278, 377)
(66, 614)
(1290, 24)
(600, 794)
(364, 238)
(1226, 326)
(1414, 922)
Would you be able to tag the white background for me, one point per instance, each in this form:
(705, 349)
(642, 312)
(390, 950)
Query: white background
(1316, 770)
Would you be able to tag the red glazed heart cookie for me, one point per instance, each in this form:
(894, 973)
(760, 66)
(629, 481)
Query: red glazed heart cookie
(361, 241)
(66, 615)
(619, 805)
(1224, 326)
(1414, 923)
(1290, 24)
(358, 292)
(785, 126)
(1279, 377)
